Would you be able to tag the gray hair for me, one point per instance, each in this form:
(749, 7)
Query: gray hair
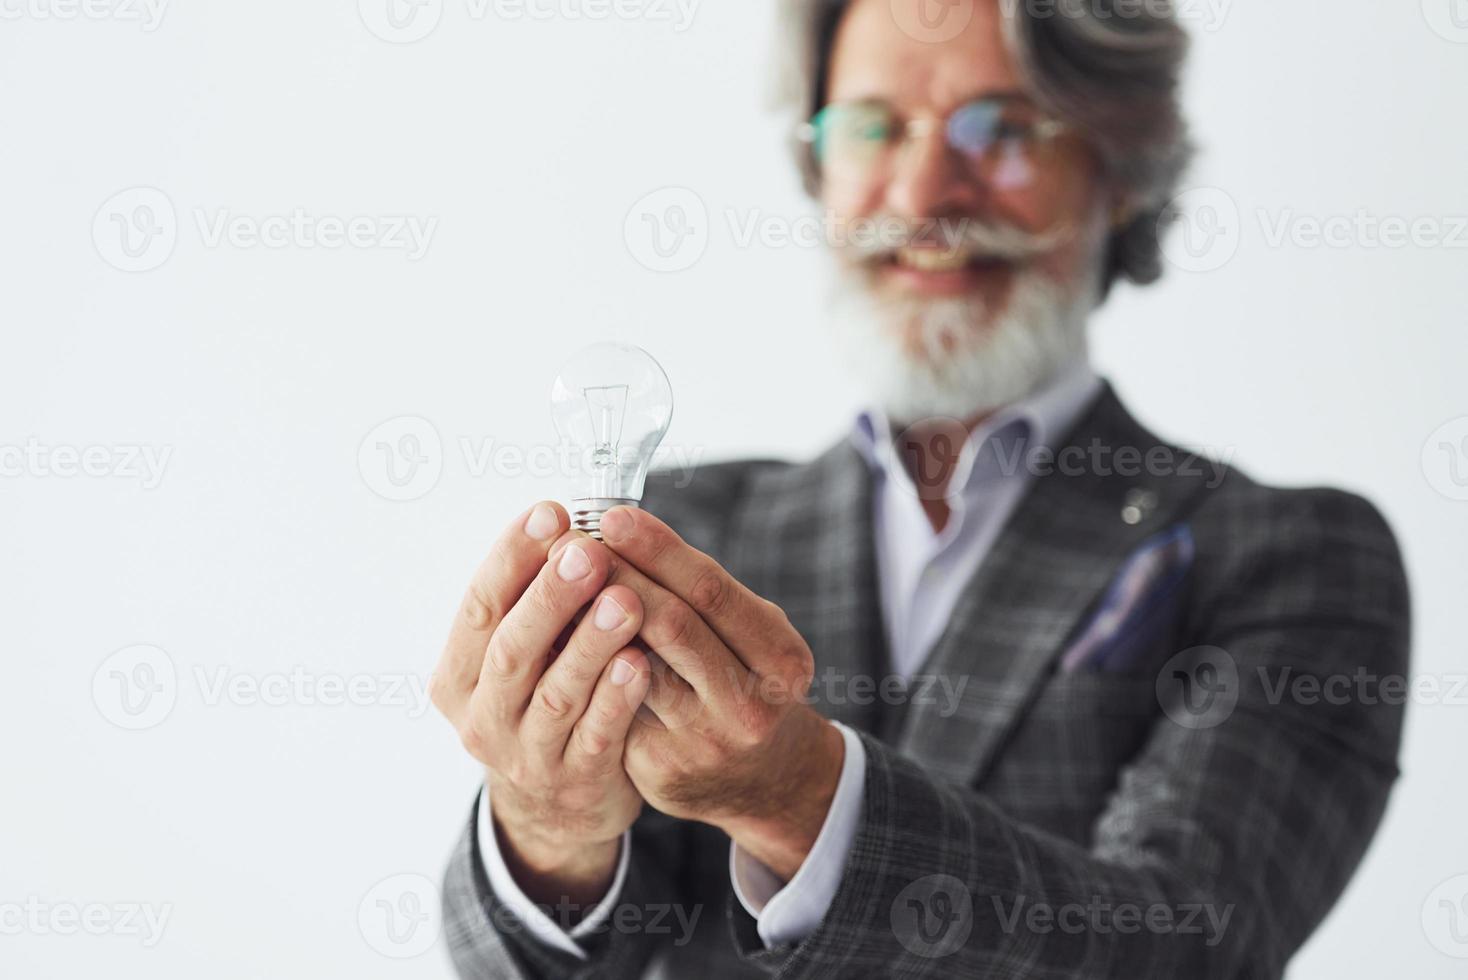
(1110, 68)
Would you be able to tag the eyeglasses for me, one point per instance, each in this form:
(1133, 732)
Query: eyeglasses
(1003, 141)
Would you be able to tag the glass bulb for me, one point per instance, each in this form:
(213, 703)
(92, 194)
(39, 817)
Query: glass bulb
(612, 403)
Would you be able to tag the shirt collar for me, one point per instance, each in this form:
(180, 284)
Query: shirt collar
(1040, 418)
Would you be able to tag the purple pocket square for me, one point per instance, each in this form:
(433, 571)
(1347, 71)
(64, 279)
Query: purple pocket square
(1145, 583)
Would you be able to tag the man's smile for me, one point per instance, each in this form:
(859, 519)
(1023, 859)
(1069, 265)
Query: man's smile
(936, 270)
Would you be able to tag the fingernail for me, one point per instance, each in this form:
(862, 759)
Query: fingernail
(622, 672)
(616, 523)
(573, 564)
(542, 522)
(609, 614)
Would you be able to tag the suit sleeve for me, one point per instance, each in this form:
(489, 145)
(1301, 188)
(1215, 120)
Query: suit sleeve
(487, 939)
(1226, 840)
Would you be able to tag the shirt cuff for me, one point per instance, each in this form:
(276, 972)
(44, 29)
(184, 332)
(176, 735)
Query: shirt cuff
(787, 913)
(540, 925)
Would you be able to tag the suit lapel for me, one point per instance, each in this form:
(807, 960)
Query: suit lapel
(1060, 548)
(803, 539)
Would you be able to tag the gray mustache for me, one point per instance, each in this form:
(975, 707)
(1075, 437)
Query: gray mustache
(1000, 241)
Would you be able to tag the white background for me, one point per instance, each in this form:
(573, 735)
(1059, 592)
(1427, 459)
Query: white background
(266, 546)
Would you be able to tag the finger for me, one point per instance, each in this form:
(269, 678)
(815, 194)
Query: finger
(520, 647)
(679, 636)
(600, 734)
(671, 701)
(501, 578)
(565, 689)
(737, 615)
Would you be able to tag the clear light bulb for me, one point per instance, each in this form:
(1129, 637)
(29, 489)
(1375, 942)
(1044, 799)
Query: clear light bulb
(612, 403)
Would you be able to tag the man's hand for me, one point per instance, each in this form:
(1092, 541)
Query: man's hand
(736, 746)
(545, 701)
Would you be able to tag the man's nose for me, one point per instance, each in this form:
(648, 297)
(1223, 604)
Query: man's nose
(928, 179)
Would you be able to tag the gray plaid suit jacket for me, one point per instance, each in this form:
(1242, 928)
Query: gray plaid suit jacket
(991, 835)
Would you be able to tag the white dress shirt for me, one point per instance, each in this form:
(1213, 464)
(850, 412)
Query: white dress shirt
(921, 574)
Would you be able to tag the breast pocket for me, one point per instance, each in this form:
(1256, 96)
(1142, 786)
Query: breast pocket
(1065, 757)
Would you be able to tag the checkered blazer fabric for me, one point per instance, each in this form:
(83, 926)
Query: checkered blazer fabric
(1193, 813)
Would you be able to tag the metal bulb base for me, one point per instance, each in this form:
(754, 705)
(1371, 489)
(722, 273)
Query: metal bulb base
(586, 512)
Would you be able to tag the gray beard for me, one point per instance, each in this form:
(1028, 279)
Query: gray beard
(972, 360)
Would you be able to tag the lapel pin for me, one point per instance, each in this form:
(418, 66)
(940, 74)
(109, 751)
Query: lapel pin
(1138, 506)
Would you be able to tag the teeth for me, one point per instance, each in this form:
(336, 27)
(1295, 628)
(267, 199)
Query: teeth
(933, 259)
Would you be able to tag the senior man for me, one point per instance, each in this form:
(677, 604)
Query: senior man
(1002, 685)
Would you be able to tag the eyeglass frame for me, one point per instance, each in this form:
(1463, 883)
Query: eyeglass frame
(1047, 128)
